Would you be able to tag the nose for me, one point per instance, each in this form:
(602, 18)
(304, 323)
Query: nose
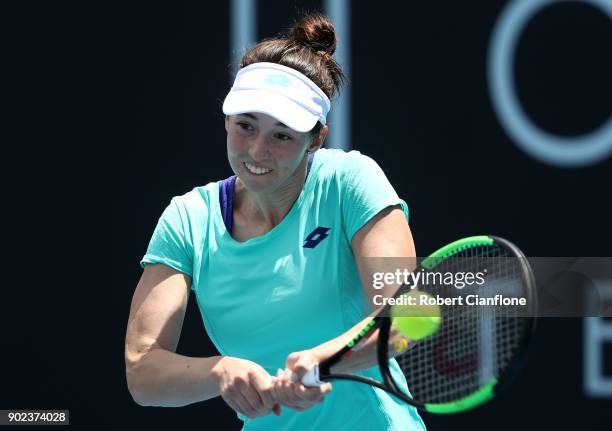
(258, 150)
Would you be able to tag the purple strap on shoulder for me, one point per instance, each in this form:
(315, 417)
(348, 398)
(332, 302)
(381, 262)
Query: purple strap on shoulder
(310, 159)
(226, 196)
(226, 201)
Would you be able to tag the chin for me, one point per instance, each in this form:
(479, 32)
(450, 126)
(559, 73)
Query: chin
(255, 184)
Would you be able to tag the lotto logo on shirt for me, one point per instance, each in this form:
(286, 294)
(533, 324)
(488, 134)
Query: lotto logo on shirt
(316, 236)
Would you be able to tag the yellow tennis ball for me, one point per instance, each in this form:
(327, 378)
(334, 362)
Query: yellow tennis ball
(400, 345)
(419, 319)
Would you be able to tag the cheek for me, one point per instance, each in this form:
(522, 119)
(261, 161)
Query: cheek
(289, 156)
(235, 143)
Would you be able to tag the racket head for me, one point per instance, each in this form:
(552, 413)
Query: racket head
(475, 353)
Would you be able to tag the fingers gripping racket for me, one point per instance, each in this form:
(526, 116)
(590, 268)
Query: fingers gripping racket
(475, 351)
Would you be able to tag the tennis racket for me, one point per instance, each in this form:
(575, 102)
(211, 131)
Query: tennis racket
(475, 351)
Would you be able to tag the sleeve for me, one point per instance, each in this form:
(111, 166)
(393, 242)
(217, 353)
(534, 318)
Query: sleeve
(171, 242)
(365, 192)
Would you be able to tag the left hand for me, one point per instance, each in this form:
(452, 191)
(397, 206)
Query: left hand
(289, 388)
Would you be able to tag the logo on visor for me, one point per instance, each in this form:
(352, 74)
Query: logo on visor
(278, 79)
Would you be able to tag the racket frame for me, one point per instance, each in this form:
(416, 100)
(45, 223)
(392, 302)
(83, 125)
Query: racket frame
(321, 372)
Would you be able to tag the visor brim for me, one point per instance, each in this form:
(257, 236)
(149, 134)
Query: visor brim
(271, 103)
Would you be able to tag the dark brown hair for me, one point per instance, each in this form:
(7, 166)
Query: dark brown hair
(308, 48)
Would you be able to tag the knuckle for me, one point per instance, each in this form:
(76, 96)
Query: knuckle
(241, 384)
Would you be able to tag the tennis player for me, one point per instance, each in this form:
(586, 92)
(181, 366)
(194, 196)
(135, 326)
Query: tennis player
(274, 255)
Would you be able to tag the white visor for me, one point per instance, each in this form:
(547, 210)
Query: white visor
(280, 92)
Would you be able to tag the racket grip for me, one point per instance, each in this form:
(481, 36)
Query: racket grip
(311, 378)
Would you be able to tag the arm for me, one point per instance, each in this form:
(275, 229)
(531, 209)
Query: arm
(156, 375)
(385, 235)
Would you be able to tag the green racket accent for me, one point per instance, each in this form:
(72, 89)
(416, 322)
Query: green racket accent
(364, 331)
(455, 247)
(473, 400)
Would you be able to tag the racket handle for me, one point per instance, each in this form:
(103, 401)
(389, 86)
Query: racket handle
(311, 378)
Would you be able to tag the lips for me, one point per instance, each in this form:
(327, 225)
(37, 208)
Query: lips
(255, 170)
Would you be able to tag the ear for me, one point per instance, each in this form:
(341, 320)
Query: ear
(227, 123)
(317, 141)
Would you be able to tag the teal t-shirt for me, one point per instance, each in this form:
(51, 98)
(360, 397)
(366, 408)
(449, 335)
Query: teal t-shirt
(290, 289)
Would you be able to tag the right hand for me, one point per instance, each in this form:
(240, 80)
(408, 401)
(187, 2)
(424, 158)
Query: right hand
(289, 388)
(246, 387)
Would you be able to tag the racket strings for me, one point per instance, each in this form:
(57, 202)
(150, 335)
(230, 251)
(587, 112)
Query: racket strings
(474, 343)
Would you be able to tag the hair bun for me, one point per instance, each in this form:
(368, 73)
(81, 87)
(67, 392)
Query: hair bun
(316, 32)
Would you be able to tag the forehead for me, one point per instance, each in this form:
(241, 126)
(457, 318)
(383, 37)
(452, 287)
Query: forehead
(259, 117)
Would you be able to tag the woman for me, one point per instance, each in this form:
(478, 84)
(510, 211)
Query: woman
(274, 255)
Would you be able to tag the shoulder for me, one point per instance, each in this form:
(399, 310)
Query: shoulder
(348, 168)
(195, 205)
(199, 196)
(333, 157)
(345, 164)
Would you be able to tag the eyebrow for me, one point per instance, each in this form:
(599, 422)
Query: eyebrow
(253, 117)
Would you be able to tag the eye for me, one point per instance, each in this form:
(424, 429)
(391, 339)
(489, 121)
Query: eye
(283, 137)
(244, 126)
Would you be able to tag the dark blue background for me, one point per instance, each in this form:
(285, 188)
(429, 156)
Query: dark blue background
(118, 110)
